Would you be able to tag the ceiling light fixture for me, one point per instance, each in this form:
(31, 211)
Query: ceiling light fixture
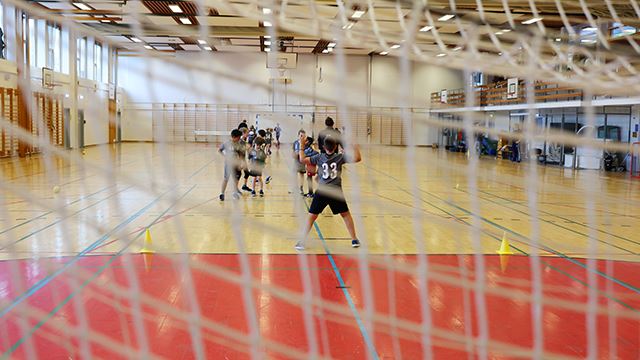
(384, 53)
(395, 46)
(267, 36)
(558, 39)
(357, 14)
(330, 49)
(499, 33)
(532, 20)
(267, 43)
(426, 28)
(148, 47)
(457, 48)
(267, 49)
(441, 55)
(185, 21)
(105, 21)
(202, 42)
(348, 26)
(325, 51)
(208, 48)
(267, 24)
(266, 11)
(136, 40)
(332, 44)
(506, 30)
(175, 8)
(446, 17)
(82, 6)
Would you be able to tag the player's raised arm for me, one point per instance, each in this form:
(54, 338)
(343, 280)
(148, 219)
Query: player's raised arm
(301, 155)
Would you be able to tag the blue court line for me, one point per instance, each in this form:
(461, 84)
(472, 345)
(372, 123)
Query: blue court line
(100, 270)
(40, 284)
(363, 331)
(62, 219)
(50, 212)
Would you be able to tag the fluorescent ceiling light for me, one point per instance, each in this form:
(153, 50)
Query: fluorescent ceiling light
(588, 41)
(348, 26)
(325, 51)
(208, 48)
(531, 21)
(185, 21)
(558, 39)
(148, 47)
(357, 14)
(441, 55)
(332, 44)
(499, 33)
(201, 42)
(589, 29)
(81, 6)
(105, 21)
(267, 36)
(266, 11)
(446, 17)
(426, 28)
(499, 54)
(395, 46)
(267, 24)
(175, 8)
(505, 30)
(135, 39)
(384, 53)
(457, 48)
(267, 43)
(330, 49)
(267, 49)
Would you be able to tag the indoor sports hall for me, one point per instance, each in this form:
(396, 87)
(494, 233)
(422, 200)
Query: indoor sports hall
(292, 179)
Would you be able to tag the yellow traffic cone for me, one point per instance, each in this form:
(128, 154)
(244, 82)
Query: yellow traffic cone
(147, 248)
(505, 249)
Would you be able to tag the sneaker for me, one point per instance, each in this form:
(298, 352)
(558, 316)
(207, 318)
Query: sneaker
(355, 243)
(221, 197)
(299, 246)
(267, 180)
(253, 193)
(237, 195)
(309, 194)
(261, 193)
(246, 188)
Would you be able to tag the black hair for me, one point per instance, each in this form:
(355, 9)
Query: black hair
(262, 132)
(309, 141)
(329, 121)
(302, 131)
(235, 133)
(330, 144)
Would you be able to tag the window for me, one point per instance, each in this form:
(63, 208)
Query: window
(620, 30)
(97, 62)
(32, 40)
(81, 58)
(54, 60)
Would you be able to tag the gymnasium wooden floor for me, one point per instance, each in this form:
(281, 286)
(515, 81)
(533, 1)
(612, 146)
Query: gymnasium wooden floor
(71, 269)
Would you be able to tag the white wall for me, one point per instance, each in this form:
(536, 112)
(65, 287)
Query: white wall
(148, 80)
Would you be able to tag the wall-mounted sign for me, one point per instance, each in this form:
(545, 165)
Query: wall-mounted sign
(443, 96)
(512, 88)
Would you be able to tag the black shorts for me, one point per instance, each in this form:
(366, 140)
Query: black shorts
(320, 201)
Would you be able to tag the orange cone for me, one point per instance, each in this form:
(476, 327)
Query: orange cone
(504, 262)
(147, 257)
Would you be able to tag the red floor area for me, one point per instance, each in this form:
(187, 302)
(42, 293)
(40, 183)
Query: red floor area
(111, 316)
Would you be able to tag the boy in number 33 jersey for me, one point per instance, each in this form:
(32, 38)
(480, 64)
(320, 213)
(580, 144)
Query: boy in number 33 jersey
(329, 191)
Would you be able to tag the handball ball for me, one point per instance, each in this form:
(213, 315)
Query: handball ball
(311, 170)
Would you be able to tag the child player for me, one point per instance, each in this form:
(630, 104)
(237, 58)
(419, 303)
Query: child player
(310, 170)
(234, 152)
(257, 160)
(329, 192)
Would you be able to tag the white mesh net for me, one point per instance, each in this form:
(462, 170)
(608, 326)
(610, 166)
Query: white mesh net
(82, 277)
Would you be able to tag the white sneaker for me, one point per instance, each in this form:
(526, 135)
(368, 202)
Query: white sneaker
(299, 246)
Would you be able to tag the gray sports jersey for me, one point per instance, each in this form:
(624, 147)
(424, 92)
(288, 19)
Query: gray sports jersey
(329, 169)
